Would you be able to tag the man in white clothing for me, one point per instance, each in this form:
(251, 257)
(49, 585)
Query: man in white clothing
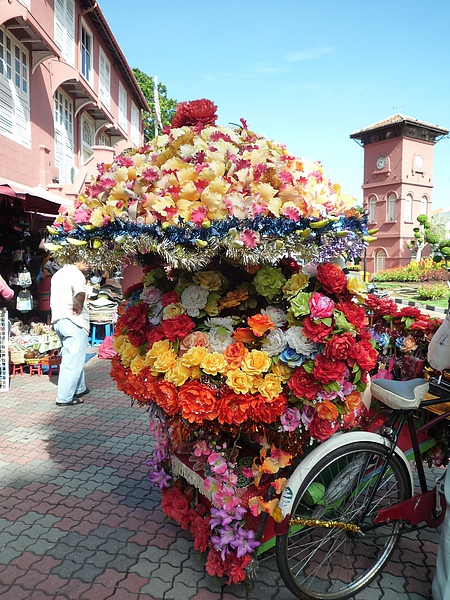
(70, 319)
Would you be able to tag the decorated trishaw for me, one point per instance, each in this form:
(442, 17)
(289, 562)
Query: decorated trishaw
(247, 340)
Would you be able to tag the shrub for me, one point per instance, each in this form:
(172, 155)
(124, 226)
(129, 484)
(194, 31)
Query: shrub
(424, 270)
(434, 291)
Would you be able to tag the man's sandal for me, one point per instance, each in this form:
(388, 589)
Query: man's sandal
(73, 402)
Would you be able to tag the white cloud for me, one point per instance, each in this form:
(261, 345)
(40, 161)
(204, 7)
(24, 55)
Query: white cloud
(309, 53)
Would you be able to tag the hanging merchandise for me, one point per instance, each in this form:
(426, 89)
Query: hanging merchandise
(24, 278)
(24, 301)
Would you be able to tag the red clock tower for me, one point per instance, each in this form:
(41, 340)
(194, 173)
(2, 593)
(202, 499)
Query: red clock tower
(398, 184)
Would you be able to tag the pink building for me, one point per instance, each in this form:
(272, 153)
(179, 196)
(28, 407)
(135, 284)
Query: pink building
(398, 184)
(68, 100)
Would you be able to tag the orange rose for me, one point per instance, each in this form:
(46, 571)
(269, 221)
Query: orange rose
(327, 411)
(165, 395)
(353, 401)
(196, 338)
(244, 335)
(235, 297)
(235, 354)
(197, 402)
(259, 324)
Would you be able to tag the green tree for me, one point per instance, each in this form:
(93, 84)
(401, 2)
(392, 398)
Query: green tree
(167, 105)
(425, 233)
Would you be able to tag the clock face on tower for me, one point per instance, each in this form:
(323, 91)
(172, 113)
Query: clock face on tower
(381, 162)
(418, 161)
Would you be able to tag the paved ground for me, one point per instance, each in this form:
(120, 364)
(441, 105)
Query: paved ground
(79, 519)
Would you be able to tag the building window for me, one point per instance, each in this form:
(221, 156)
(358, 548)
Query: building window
(86, 53)
(104, 79)
(104, 140)
(65, 29)
(372, 203)
(391, 207)
(87, 137)
(63, 135)
(14, 89)
(123, 108)
(380, 261)
(423, 205)
(135, 136)
(408, 208)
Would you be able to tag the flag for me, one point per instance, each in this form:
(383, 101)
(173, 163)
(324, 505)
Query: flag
(157, 107)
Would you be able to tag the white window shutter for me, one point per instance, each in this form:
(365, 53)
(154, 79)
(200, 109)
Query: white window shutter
(70, 32)
(22, 120)
(59, 24)
(6, 111)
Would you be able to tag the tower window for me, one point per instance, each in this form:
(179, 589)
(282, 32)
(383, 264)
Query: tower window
(372, 204)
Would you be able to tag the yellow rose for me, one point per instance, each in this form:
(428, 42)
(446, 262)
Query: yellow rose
(270, 387)
(195, 373)
(119, 341)
(295, 284)
(128, 352)
(239, 382)
(282, 371)
(164, 361)
(256, 362)
(137, 364)
(159, 347)
(210, 280)
(173, 310)
(121, 174)
(178, 373)
(356, 286)
(214, 363)
(194, 356)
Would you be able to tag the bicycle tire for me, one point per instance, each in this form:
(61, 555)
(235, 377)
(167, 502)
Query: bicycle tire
(319, 563)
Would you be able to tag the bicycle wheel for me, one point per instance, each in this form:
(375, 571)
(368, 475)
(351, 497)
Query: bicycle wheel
(330, 559)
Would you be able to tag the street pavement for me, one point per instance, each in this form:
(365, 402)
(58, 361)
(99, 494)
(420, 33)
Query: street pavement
(79, 519)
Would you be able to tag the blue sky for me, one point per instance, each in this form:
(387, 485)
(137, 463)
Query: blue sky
(304, 73)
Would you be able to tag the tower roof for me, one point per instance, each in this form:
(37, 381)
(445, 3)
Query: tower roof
(401, 120)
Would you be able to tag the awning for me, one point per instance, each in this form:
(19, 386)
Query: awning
(18, 190)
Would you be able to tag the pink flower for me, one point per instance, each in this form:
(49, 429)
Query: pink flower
(321, 306)
(217, 463)
(290, 419)
(250, 238)
(201, 448)
(292, 213)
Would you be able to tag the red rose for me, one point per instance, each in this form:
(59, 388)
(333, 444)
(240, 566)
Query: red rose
(155, 334)
(195, 112)
(381, 307)
(170, 298)
(303, 384)
(316, 331)
(177, 328)
(339, 346)
(332, 278)
(135, 317)
(137, 338)
(365, 355)
(326, 370)
(321, 430)
(410, 311)
(356, 315)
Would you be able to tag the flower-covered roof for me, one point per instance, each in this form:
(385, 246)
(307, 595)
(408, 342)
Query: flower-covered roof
(199, 191)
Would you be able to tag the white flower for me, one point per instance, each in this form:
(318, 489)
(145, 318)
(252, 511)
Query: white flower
(299, 342)
(218, 341)
(276, 314)
(151, 295)
(275, 342)
(225, 322)
(194, 298)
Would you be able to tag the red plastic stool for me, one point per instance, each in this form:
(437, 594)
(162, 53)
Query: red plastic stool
(36, 369)
(51, 367)
(17, 369)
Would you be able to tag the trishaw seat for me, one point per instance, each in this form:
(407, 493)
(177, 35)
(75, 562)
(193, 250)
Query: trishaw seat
(400, 395)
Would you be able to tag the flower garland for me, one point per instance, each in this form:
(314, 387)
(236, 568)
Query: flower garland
(199, 191)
